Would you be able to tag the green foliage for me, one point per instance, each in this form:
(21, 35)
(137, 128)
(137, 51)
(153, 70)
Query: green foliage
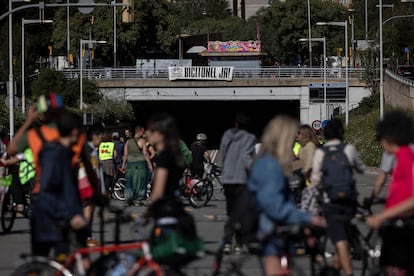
(110, 112)
(284, 23)
(54, 81)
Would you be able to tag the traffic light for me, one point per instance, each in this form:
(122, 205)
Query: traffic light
(128, 11)
(50, 47)
(350, 52)
(92, 19)
(71, 58)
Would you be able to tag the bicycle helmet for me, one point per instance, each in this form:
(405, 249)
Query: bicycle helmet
(201, 137)
(49, 103)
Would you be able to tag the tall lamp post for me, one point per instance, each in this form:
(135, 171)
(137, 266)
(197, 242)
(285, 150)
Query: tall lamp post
(82, 42)
(11, 78)
(323, 40)
(345, 25)
(309, 35)
(26, 22)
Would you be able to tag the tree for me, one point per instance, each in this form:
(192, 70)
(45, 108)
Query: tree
(284, 23)
(110, 111)
(55, 81)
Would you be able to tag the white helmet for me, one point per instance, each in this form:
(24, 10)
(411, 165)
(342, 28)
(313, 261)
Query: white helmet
(201, 137)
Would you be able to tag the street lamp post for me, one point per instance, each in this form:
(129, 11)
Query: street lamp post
(25, 22)
(309, 35)
(82, 42)
(323, 40)
(381, 63)
(11, 78)
(115, 46)
(345, 25)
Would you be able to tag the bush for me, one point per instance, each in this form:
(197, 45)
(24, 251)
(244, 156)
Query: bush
(361, 133)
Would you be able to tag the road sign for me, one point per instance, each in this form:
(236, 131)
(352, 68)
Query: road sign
(86, 10)
(316, 125)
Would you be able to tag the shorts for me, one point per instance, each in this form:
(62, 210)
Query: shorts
(275, 246)
(338, 218)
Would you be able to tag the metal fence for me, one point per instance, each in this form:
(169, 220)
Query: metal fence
(238, 73)
(399, 78)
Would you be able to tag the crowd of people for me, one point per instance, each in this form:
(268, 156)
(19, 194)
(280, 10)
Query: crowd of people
(70, 169)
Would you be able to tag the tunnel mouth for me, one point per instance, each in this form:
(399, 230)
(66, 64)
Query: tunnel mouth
(214, 117)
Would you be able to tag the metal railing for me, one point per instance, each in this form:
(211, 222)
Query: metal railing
(399, 78)
(238, 73)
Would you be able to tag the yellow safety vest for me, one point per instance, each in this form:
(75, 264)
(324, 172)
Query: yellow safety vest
(296, 149)
(106, 150)
(27, 167)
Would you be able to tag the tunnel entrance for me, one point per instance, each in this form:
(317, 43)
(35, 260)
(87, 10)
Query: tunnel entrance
(214, 117)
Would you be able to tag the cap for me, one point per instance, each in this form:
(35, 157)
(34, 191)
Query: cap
(115, 134)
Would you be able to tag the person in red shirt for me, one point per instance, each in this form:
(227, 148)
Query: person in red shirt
(395, 133)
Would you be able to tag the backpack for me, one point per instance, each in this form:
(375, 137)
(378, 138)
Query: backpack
(337, 175)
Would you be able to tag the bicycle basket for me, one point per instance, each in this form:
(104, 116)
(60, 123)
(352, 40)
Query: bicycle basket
(7, 180)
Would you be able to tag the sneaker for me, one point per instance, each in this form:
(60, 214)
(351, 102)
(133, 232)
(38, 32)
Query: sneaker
(227, 249)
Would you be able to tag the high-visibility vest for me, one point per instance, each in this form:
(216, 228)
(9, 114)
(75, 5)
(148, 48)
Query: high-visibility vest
(296, 149)
(106, 150)
(27, 167)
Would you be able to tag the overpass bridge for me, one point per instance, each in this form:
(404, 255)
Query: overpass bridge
(295, 90)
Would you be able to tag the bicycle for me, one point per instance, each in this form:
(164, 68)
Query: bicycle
(233, 265)
(200, 191)
(364, 247)
(72, 266)
(9, 208)
(118, 188)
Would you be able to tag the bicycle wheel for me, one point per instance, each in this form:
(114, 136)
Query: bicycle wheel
(8, 212)
(39, 267)
(119, 189)
(210, 191)
(199, 194)
(371, 257)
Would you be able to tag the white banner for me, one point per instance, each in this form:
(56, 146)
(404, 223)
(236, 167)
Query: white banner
(201, 73)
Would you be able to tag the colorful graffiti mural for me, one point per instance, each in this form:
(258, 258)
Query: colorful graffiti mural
(234, 46)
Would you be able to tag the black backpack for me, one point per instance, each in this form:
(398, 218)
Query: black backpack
(337, 175)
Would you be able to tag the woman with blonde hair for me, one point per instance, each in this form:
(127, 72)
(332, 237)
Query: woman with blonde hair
(308, 141)
(269, 187)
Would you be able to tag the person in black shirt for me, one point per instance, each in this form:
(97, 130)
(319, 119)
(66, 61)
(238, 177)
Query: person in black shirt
(162, 132)
(199, 155)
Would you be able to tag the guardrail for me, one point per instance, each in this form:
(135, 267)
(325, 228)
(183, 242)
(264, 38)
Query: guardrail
(399, 78)
(238, 73)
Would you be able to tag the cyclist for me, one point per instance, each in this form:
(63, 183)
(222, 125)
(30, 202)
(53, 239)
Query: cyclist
(21, 183)
(269, 187)
(395, 133)
(107, 156)
(338, 212)
(199, 154)
(58, 208)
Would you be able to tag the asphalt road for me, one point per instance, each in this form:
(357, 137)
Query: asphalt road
(12, 245)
